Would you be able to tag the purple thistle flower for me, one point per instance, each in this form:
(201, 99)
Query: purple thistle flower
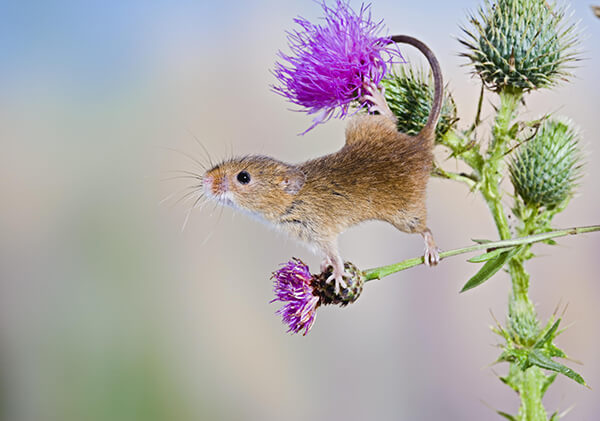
(292, 286)
(331, 63)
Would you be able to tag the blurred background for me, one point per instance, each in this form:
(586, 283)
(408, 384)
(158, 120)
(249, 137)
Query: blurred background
(108, 311)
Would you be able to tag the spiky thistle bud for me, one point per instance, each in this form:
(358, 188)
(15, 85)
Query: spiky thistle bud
(522, 322)
(409, 95)
(545, 168)
(521, 44)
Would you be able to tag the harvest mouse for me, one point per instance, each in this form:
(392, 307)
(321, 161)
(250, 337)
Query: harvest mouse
(379, 174)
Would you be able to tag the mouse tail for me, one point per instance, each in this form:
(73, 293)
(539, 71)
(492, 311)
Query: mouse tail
(428, 131)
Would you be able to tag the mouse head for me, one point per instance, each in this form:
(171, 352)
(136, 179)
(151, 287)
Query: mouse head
(258, 184)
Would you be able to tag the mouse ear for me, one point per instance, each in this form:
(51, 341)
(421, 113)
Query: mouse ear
(292, 181)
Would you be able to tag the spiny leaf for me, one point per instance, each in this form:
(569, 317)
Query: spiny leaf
(537, 357)
(507, 416)
(549, 380)
(548, 336)
(489, 269)
(489, 255)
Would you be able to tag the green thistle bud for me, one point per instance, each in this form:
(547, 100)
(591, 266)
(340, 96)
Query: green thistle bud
(326, 291)
(545, 168)
(521, 44)
(522, 322)
(409, 95)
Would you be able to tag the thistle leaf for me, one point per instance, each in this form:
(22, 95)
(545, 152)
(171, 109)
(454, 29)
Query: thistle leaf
(489, 269)
(548, 336)
(537, 357)
(549, 380)
(480, 241)
(507, 416)
(489, 255)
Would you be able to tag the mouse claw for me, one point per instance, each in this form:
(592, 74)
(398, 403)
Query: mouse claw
(377, 99)
(432, 252)
(432, 256)
(339, 280)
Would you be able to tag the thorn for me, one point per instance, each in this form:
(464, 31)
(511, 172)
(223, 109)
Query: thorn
(564, 311)
(496, 320)
(555, 312)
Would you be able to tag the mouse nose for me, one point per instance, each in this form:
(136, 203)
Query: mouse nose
(208, 183)
(214, 185)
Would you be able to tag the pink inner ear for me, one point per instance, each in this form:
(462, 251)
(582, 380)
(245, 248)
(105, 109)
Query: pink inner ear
(293, 182)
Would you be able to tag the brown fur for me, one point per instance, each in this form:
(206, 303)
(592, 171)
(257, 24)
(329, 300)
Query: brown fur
(379, 174)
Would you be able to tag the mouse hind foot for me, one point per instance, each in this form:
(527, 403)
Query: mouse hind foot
(432, 252)
(414, 222)
(378, 102)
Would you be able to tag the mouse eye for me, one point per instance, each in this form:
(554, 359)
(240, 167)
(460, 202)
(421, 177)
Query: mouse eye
(243, 177)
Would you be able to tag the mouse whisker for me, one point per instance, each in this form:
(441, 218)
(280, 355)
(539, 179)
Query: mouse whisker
(214, 208)
(196, 204)
(186, 196)
(220, 214)
(195, 160)
(177, 177)
(196, 187)
(198, 176)
(203, 148)
(230, 150)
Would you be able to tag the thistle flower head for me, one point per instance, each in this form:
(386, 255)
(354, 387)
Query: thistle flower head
(331, 62)
(292, 286)
(302, 293)
(545, 169)
(520, 44)
(409, 94)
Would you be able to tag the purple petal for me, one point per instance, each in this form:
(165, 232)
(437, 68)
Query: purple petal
(292, 286)
(330, 63)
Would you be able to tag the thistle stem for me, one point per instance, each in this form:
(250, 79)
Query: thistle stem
(493, 166)
(380, 272)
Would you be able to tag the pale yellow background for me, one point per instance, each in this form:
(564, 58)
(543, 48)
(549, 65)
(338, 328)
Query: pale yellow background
(109, 312)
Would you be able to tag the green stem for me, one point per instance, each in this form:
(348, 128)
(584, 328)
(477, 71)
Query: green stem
(469, 179)
(380, 272)
(464, 148)
(491, 171)
(531, 395)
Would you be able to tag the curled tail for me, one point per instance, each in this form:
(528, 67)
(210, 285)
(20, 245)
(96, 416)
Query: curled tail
(428, 131)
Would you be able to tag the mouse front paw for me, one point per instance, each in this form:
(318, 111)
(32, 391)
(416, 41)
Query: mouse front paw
(338, 277)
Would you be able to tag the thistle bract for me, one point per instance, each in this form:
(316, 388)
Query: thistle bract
(409, 95)
(346, 295)
(545, 168)
(522, 44)
(331, 63)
